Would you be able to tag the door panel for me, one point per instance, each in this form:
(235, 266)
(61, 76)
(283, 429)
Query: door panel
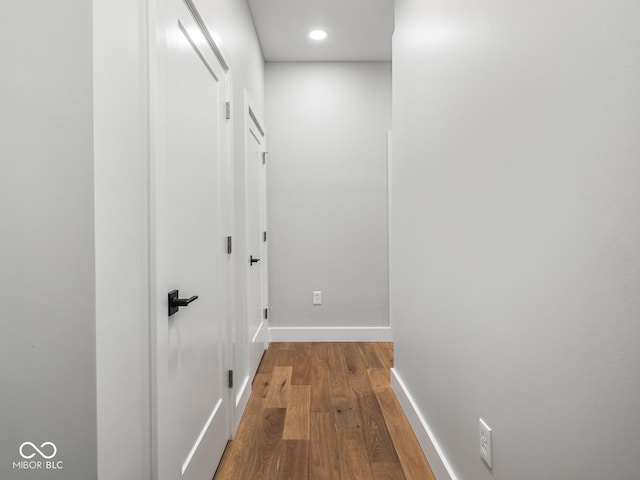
(254, 227)
(255, 168)
(192, 395)
(251, 334)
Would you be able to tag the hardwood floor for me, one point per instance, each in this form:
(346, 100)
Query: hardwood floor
(324, 411)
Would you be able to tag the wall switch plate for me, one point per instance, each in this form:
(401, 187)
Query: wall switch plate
(485, 443)
(317, 297)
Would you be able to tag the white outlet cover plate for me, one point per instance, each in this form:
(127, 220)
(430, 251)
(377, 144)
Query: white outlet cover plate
(485, 442)
(317, 297)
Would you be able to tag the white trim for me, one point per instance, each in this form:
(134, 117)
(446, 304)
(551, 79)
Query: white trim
(187, 461)
(243, 392)
(389, 266)
(438, 462)
(330, 334)
(254, 116)
(206, 31)
(258, 331)
(240, 403)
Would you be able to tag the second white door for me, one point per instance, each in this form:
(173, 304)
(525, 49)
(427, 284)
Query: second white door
(257, 236)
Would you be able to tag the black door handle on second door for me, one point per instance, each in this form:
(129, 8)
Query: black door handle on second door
(253, 260)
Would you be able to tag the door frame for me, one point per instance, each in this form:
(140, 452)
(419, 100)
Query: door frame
(254, 345)
(158, 116)
(252, 117)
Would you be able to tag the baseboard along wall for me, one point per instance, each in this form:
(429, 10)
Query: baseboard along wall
(330, 334)
(437, 460)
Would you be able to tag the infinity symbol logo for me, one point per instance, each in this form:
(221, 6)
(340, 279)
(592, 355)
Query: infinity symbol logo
(42, 454)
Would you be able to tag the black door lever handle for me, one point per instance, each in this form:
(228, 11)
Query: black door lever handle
(253, 260)
(175, 302)
(183, 302)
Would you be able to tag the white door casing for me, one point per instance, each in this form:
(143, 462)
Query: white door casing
(255, 168)
(252, 337)
(189, 212)
(256, 226)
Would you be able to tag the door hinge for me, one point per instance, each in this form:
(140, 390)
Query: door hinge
(264, 236)
(264, 157)
(229, 249)
(227, 110)
(230, 378)
(266, 313)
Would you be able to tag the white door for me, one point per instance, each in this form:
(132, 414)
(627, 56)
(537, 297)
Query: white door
(257, 236)
(191, 393)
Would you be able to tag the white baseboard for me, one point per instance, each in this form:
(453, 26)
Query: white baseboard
(330, 334)
(438, 462)
(241, 399)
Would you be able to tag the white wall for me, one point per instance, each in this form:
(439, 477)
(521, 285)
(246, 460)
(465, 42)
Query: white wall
(515, 232)
(327, 190)
(121, 235)
(47, 359)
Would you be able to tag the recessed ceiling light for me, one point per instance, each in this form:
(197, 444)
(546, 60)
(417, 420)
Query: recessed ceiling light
(317, 34)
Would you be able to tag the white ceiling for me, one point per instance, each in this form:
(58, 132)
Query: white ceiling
(358, 30)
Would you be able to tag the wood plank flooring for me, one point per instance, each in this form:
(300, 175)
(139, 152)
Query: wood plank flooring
(324, 411)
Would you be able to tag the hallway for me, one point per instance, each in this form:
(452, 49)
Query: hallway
(460, 178)
(324, 411)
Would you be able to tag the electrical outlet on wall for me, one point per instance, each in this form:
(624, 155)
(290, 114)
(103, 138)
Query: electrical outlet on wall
(317, 297)
(485, 442)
